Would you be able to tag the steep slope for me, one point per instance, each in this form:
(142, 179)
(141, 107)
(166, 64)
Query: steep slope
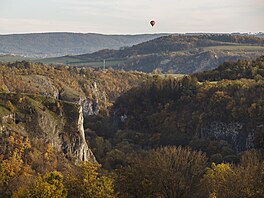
(59, 123)
(43, 138)
(53, 103)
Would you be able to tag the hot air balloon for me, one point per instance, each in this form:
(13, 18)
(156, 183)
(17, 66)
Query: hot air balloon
(152, 23)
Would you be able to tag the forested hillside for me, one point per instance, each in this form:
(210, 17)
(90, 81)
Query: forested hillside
(235, 70)
(152, 135)
(222, 119)
(68, 83)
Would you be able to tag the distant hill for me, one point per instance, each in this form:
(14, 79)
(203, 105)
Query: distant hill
(60, 44)
(172, 54)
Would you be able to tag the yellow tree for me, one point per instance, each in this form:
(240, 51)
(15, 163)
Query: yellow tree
(49, 186)
(234, 181)
(13, 165)
(216, 179)
(90, 183)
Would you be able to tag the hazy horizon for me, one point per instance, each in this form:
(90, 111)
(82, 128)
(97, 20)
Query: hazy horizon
(133, 34)
(127, 17)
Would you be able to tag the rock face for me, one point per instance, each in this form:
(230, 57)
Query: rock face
(80, 148)
(90, 107)
(230, 132)
(68, 134)
(56, 122)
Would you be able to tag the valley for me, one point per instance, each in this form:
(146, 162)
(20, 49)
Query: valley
(131, 99)
(111, 127)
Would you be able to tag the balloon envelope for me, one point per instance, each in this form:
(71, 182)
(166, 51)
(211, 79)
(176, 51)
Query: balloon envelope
(152, 23)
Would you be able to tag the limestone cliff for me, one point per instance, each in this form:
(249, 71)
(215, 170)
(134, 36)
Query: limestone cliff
(56, 122)
(231, 132)
(78, 146)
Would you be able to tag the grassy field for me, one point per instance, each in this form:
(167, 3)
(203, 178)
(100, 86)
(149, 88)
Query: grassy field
(56, 60)
(79, 62)
(108, 63)
(235, 48)
(63, 61)
(224, 48)
(171, 75)
(12, 58)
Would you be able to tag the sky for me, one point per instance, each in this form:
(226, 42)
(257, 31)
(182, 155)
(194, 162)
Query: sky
(131, 16)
